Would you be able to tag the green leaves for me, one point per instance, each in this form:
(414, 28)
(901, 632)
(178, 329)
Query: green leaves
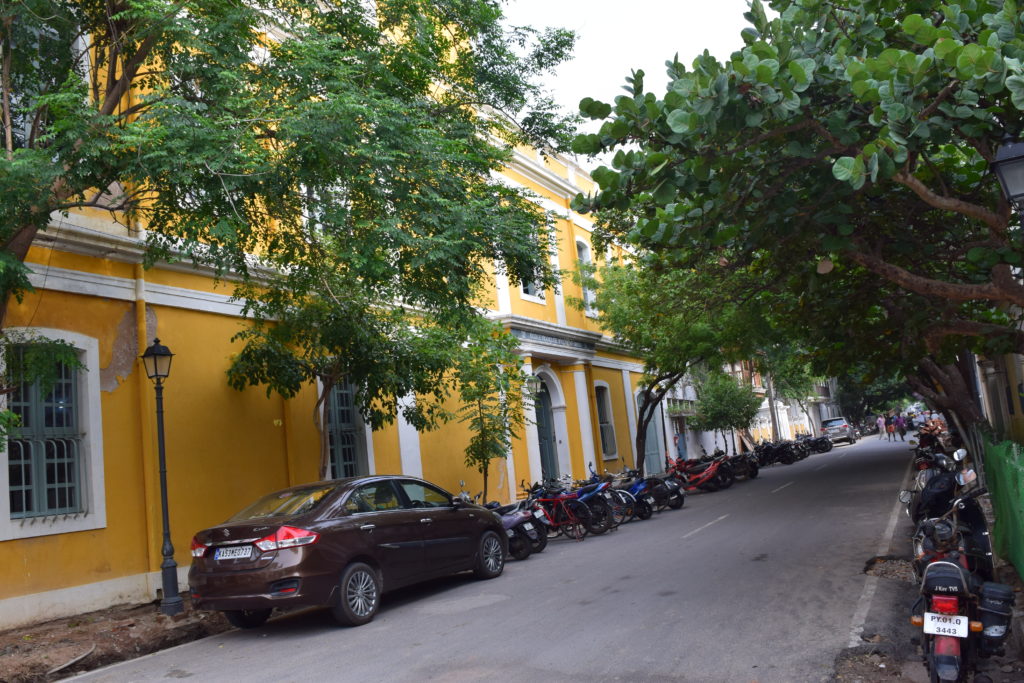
(919, 29)
(851, 170)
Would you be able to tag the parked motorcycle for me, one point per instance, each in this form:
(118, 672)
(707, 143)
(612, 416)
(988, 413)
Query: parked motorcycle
(963, 617)
(523, 530)
(940, 480)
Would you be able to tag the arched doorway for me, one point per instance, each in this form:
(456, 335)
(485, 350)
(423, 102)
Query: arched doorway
(546, 432)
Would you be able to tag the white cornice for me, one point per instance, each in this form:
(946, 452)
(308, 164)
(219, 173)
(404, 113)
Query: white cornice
(123, 289)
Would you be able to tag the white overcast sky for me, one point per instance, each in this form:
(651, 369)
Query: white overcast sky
(615, 36)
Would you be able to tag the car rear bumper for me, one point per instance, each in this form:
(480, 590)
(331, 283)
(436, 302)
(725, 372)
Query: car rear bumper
(258, 590)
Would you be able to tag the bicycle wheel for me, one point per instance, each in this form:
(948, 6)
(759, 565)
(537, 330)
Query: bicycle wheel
(576, 519)
(623, 506)
(601, 518)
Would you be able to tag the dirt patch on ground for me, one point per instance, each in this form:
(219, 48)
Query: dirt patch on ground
(855, 667)
(891, 567)
(57, 649)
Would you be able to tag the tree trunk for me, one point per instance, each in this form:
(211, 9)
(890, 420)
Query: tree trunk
(320, 421)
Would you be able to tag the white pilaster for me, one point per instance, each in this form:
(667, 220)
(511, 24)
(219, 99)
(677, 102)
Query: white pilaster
(583, 411)
(409, 443)
(627, 389)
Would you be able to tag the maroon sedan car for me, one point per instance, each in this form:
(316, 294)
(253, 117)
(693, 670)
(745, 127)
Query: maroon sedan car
(340, 544)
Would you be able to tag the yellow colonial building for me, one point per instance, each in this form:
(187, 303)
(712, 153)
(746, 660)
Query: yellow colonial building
(80, 519)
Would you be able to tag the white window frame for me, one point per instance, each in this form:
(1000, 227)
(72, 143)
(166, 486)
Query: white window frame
(599, 384)
(93, 489)
(584, 256)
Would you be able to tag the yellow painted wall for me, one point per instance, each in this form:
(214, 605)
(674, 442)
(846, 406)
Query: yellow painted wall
(224, 447)
(55, 561)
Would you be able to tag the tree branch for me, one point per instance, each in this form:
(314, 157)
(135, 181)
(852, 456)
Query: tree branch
(1001, 288)
(993, 220)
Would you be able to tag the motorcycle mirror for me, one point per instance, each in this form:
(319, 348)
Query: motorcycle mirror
(959, 454)
(906, 496)
(966, 477)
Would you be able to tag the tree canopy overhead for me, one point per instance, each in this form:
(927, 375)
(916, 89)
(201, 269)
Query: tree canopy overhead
(843, 142)
(335, 158)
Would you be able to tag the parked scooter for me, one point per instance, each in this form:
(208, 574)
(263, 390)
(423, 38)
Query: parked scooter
(522, 529)
(940, 480)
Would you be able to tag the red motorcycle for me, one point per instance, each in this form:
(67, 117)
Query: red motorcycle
(963, 617)
(708, 474)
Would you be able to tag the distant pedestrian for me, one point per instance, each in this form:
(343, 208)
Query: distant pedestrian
(890, 428)
(881, 426)
(901, 426)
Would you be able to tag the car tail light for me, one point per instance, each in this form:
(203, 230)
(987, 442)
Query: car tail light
(198, 549)
(946, 604)
(286, 537)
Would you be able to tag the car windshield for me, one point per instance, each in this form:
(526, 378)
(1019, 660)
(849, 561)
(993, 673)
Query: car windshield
(834, 422)
(284, 503)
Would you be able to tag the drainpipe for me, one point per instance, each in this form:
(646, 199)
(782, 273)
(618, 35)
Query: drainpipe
(147, 431)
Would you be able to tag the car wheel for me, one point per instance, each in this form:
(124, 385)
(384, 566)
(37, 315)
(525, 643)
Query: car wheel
(247, 618)
(490, 556)
(358, 595)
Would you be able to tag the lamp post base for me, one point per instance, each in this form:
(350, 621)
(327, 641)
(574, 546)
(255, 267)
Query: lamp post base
(171, 603)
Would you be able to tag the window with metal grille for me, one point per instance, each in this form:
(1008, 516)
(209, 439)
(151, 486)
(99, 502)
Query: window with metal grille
(44, 453)
(345, 433)
(604, 420)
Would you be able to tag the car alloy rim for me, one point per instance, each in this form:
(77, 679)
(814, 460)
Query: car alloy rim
(492, 554)
(361, 593)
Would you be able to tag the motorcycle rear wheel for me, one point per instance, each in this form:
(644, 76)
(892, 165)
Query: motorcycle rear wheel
(623, 506)
(725, 477)
(542, 538)
(519, 546)
(644, 510)
(601, 517)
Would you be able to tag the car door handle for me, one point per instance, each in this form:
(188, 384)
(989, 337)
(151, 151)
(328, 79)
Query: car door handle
(368, 527)
(426, 520)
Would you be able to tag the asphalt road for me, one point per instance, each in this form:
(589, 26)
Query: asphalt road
(761, 582)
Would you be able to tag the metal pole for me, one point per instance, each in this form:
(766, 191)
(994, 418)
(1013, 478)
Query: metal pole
(771, 407)
(171, 603)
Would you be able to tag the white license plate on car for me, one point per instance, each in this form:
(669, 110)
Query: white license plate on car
(233, 552)
(945, 625)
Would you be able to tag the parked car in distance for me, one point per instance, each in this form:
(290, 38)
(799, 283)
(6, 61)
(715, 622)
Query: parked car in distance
(839, 429)
(340, 544)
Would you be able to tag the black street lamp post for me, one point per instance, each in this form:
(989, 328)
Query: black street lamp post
(1009, 167)
(157, 359)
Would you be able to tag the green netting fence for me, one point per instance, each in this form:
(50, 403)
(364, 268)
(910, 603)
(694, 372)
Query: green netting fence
(1004, 475)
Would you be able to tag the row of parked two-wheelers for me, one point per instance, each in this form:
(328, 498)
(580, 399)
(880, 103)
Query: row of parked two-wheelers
(964, 614)
(790, 451)
(604, 502)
